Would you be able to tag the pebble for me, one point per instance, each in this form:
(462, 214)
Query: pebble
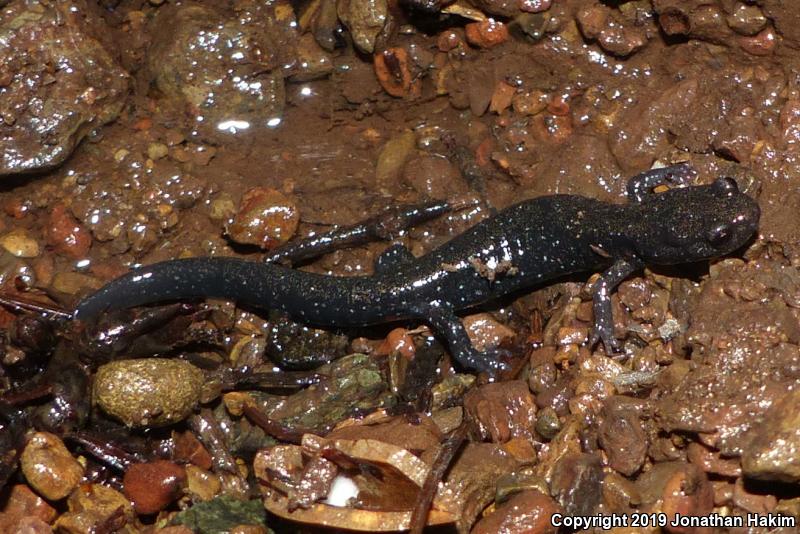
(449, 40)
(526, 512)
(157, 151)
(746, 19)
(576, 482)
(773, 452)
(24, 503)
(534, 6)
(365, 19)
(21, 244)
(66, 235)
(152, 486)
(485, 332)
(188, 449)
(392, 68)
(761, 44)
(202, 485)
(266, 218)
(530, 102)
(313, 62)
(398, 340)
(434, 177)
(222, 208)
(29, 525)
(486, 34)
(74, 283)
(548, 423)
(148, 392)
(502, 97)
(623, 438)
(502, 411)
(91, 507)
(49, 467)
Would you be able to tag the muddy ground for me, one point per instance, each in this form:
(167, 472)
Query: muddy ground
(138, 131)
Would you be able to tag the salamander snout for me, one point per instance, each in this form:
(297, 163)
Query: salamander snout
(734, 216)
(697, 223)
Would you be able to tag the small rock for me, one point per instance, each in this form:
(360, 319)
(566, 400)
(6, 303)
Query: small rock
(222, 208)
(58, 83)
(761, 44)
(266, 218)
(157, 151)
(66, 235)
(20, 243)
(502, 97)
(29, 525)
(530, 102)
(449, 40)
(393, 70)
(188, 449)
(92, 507)
(485, 332)
(200, 58)
(202, 485)
(772, 453)
(152, 486)
(148, 392)
(614, 34)
(49, 467)
(74, 283)
(365, 19)
(434, 177)
(393, 155)
(502, 410)
(313, 62)
(486, 34)
(712, 462)
(535, 6)
(527, 512)
(400, 341)
(746, 19)
(24, 503)
(681, 489)
(548, 424)
(623, 438)
(572, 335)
(576, 482)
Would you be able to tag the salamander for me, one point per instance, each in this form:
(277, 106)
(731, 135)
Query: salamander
(525, 245)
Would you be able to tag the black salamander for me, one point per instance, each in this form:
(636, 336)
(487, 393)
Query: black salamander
(525, 245)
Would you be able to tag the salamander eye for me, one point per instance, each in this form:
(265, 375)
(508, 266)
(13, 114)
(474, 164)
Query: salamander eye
(720, 235)
(726, 184)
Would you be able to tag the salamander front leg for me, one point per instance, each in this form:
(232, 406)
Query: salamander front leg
(641, 186)
(441, 317)
(603, 328)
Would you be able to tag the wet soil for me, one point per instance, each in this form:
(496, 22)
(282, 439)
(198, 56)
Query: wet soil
(138, 131)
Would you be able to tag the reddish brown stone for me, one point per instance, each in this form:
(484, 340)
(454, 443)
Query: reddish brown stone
(154, 485)
(502, 410)
(188, 449)
(66, 235)
(487, 33)
(527, 512)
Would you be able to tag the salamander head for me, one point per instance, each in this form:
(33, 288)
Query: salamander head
(696, 223)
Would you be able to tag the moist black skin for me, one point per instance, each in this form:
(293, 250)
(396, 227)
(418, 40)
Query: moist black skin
(525, 245)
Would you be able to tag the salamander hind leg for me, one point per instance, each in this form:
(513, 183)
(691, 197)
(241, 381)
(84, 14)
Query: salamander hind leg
(441, 317)
(603, 328)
